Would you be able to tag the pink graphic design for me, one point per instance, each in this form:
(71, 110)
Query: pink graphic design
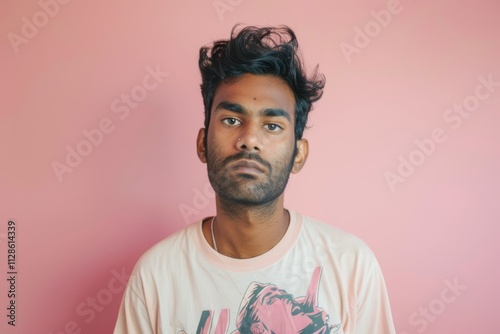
(206, 320)
(266, 309)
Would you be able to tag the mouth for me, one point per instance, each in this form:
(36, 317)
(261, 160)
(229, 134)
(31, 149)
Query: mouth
(247, 167)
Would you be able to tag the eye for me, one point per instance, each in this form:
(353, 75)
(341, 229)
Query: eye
(231, 121)
(296, 310)
(273, 127)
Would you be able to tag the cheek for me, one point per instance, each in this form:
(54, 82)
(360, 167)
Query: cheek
(210, 139)
(216, 139)
(284, 154)
(215, 152)
(301, 321)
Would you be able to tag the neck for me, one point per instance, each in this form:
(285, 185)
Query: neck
(248, 231)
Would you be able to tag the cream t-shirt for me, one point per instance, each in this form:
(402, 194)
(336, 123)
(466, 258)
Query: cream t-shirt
(317, 279)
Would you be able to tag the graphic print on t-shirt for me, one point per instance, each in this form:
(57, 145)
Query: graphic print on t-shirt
(266, 309)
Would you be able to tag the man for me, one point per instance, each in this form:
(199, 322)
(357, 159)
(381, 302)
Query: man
(263, 302)
(240, 270)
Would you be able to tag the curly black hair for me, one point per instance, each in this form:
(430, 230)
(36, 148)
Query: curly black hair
(260, 51)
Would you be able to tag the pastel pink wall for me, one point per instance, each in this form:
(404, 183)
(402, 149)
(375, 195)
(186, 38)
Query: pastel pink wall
(392, 158)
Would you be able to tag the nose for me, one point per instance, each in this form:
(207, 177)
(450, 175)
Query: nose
(250, 138)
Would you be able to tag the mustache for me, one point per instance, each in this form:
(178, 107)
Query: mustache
(247, 156)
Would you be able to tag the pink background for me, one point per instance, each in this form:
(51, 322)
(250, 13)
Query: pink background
(438, 227)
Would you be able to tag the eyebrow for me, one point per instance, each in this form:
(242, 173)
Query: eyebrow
(237, 108)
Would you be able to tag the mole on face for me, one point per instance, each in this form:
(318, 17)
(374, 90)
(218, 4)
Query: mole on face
(254, 98)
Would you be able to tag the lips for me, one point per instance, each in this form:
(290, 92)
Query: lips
(247, 166)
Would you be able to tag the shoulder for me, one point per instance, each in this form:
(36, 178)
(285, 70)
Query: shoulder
(340, 253)
(334, 240)
(167, 252)
(313, 227)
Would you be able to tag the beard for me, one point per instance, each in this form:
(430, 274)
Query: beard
(248, 189)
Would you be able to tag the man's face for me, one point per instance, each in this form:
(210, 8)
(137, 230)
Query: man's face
(278, 312)
(250, 144)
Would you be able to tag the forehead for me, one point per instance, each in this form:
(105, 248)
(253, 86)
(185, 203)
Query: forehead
(255, 92)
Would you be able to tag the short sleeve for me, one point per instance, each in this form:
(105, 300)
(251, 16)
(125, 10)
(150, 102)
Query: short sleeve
(133, 315)
(373, 308)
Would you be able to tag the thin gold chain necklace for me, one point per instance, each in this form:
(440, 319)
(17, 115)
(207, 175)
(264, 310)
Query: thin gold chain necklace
(213, 235)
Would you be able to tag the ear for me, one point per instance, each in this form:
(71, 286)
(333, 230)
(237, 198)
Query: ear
(257, 328)
(301, 156)
(200, 147)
